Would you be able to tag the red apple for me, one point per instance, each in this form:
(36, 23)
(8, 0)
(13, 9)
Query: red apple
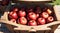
(32, 16)
(22, 13)
(50, 19)
(10, 13)
(13, 20)
(37, 15)
(49, 11)
(45, 15)
(32, 23)
(13, 15)
(15, 9)
(22, 20)
(41, 21)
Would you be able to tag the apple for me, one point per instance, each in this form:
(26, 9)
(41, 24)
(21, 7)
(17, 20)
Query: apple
(13, 15)
(32, 16)
(49, 11)
(15, 9)
(45, 15)
(41, 21)
(22, 20)
(13, 20)
(21, 13)
(50, 19)
(32, 23)
(37, 15)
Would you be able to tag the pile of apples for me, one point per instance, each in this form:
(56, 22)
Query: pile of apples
(30, 16)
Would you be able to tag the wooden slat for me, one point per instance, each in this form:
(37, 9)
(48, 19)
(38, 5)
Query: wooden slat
(35, 27)
(35, 0)
(15, 24)
(1, 32)
(57, 11)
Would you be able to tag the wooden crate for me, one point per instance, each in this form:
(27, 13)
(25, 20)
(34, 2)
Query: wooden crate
(17, 28)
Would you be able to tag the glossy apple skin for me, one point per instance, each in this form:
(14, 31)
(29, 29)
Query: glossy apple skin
(45, 15)
(13, 15)
(37, 15)
(22, 20)
(32, 23)
(41, 21)
(15, 9)
(21, 13)
(50, 19)
(32, 16)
